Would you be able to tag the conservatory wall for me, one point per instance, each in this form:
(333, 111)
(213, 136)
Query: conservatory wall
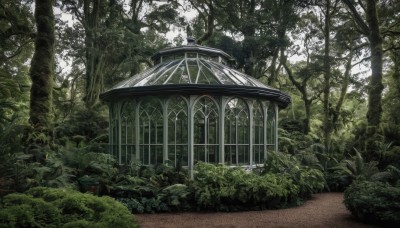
(182, 130)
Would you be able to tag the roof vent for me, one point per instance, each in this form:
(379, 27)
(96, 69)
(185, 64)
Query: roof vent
(191, 40)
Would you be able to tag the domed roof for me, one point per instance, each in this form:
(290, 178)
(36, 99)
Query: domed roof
(193, 69)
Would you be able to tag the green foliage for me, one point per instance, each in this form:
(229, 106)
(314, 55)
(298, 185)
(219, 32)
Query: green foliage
(172, 198)
(48, 207)
(176, 196)
(374, 202)
(310, 180)
(151, 189)
(356, 167)
(391, 156)
(218, 187)
(83, 126)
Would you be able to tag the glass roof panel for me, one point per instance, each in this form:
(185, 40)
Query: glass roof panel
(190, 71)
(158, 77)
(181, 75)
(218, 71)
(144, 81)
(237, 75)
(130, 82)
(219, 76)
(193, 69)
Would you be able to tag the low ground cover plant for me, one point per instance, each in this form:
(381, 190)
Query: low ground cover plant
(59, 207)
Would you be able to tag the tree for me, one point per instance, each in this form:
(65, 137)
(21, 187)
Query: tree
(16, 47)
(305, 75)
(264, 26)
(113, 43)
(42, 69)
(370, 28)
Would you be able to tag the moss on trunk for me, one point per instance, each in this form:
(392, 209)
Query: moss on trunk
(41, 71)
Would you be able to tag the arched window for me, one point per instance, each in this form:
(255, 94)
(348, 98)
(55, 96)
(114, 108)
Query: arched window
(237, 138)
(258, 134)
(127, 132)
(205, 122)
(271, 127)
(151, 131)
(178, 131)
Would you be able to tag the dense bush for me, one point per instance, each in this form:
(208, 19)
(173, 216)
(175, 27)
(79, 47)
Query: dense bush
(282, 181)
(50, 207)
(374, 202)
(310, 180)
(152, 189)
(223, 188)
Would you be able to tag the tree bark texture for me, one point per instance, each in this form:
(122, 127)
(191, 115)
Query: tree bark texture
(42, 66)
(94, 60)
(327, 77)
(371, 30)
(302, 87)
(375, 87)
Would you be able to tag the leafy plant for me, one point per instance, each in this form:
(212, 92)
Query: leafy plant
(356, 167)
(48, 207)
(218, 187)
(309, 179)
(374, 202)
(177, 197)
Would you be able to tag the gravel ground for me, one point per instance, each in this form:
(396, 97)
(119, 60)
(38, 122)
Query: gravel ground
(323, 210)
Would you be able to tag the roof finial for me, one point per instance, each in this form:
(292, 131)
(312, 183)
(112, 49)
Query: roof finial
(190, 39)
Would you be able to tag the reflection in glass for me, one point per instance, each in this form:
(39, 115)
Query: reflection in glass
(127, 132)
(205, 130)
(150, 131)
(177, 131)
(258, 134)
(237, 143)
(271, 125)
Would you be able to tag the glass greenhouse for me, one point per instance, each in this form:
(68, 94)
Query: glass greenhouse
(192, 106)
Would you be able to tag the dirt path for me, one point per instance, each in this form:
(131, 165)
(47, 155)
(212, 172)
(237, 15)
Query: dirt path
(323, 210)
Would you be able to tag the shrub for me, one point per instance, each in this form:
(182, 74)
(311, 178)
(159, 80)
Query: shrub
(374, 202)
(222, 188)
(48, 207)
(310, 180)
(177, 197)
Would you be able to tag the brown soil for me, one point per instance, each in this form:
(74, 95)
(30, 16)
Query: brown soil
(322, 210)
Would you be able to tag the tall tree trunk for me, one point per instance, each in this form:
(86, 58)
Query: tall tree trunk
(302, 87)
(370, 28)
(327, 78)
(94, 76)
(306, 121)
(375, 85)
(41, 72)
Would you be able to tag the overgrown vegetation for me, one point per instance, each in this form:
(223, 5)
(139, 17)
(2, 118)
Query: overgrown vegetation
(219, 188)
(374, 202)
(60, 207)
(327, 140)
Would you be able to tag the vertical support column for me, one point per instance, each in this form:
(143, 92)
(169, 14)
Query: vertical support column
(276, 127)
(119, 131)
(265, 110)
(137, 132)
(111, 129)
(222, 131)
(251, 133)
(165, 130)
(191, 135)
